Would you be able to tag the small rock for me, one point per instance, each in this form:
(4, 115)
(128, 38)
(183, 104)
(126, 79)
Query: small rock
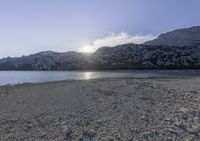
(190, 138)
(143, 117)
(194, 92)
(99, 121)
(63, 123)
(171, 131)
(168, 119)
(29, 126)
(117, 136)
(64, 128)
(169, 139)
(183, 110)
(91, 133)
(68, 134)
(3, 91)
(110, 139)
(43, 134)
(181, 125)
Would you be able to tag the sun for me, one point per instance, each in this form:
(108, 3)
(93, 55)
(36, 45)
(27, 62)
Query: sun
(86, 49)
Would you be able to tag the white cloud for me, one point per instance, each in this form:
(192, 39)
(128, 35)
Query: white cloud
(115, 39)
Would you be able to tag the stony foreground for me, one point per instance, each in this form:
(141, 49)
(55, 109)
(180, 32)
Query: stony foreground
(102, 110)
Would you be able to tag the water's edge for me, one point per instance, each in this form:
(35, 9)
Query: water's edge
(18, 77)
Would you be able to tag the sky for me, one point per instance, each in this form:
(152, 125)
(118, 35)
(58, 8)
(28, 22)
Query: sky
(31, 26)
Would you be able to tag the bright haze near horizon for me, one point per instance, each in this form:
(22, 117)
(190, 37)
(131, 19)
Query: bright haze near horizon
(31, 26)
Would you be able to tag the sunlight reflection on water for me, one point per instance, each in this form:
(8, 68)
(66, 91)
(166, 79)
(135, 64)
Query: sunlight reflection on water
(88, 75)
(15, 77)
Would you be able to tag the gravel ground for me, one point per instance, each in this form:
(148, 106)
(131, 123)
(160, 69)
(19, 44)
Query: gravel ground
(102, 110)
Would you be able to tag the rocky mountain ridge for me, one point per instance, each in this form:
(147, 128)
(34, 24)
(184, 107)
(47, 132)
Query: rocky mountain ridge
(178, 49)
(128, 56)
(179, 37)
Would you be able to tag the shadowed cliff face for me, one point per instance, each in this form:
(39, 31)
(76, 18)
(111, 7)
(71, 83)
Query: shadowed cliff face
(128, 56)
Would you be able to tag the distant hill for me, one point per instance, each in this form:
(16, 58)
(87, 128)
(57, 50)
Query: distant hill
(178, 37)
(178, 49)
(45, 61)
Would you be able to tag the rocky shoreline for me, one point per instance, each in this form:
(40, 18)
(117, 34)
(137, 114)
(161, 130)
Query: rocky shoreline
(103, 110)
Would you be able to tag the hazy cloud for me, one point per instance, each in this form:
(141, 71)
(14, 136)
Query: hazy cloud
(115, 39)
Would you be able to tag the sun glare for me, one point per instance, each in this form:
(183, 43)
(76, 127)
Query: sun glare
(87, 75)
(86, 49)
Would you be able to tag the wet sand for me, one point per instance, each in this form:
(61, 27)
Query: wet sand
(102, 110)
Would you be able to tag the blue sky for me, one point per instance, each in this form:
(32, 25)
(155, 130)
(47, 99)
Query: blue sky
(30, 26)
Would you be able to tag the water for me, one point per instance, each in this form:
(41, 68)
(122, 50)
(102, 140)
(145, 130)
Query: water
(15, 77)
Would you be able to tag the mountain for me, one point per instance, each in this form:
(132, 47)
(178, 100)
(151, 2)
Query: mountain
(132, 56)
(46, 61)
(178, 37)
(128, 56)
(178, 49)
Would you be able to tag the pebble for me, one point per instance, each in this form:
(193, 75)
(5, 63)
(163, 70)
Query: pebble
(191, 138)
(64, 128)
(184, 110)
(29, 126)
(43, 134)
(91, 133)
(168, 119)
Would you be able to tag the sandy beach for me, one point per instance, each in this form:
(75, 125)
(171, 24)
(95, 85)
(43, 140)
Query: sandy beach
(102, 110)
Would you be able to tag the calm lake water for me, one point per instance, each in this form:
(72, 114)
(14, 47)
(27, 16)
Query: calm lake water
(15, 77)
